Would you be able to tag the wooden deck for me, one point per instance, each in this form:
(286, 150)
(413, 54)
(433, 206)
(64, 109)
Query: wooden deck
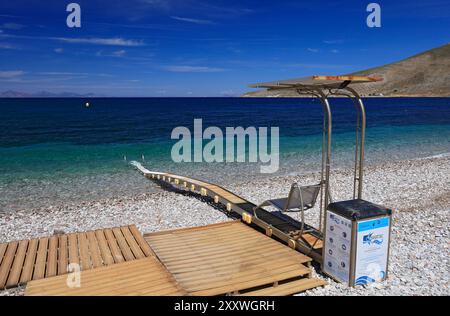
(230, 258)
(143, 277)
(26, 260)
(227, 258)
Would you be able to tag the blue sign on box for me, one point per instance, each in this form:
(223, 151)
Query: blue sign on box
(376, 223)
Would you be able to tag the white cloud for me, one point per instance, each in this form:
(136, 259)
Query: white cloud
(115, 41)
(191, 20)
(12, 26)
(319, 66)
(335, 41)
(119, 53)
(58, 73)
(199, 69)
(162, 4)
(101, 41)
(7, 46)
(313, 50)
(11, 73)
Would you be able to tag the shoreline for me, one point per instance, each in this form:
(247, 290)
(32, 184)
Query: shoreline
(416, 189)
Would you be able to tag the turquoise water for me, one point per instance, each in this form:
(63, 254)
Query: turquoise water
(54, 150)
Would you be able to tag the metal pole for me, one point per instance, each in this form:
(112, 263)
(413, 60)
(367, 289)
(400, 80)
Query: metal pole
(361, 140)
(326, 106)
(322, 170)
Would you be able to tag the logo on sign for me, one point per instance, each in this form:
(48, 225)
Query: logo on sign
(373, 239)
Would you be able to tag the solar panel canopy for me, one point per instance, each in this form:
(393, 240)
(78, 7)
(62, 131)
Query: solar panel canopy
(330, 82)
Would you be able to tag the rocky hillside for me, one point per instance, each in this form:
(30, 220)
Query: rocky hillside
(424, 74)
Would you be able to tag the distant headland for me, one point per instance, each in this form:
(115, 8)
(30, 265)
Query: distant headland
(423, 75)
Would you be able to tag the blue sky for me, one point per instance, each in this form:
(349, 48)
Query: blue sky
(203, 48)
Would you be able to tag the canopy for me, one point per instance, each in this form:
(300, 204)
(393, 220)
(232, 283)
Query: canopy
(324, 82)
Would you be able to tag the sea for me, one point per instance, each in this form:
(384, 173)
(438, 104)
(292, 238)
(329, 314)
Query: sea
(55, 151)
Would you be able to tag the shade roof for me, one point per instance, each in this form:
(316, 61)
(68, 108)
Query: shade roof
(332, 82)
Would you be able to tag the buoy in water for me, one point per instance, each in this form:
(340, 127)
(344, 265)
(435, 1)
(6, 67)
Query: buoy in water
(87, 104)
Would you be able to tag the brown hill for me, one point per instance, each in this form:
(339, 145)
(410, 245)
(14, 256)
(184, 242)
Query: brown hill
(424, 74)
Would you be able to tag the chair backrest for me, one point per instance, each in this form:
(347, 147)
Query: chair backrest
(310, 194)
(302, 197)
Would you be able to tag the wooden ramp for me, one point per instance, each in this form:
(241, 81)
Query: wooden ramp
(231, 258)
(26, 260)
(139, 277)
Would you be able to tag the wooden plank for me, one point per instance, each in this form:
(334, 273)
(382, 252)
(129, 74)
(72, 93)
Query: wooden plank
(28, 266)
(194, 256)
(237, 286)
(197, 229)
(222, 232)
(230, 262)
(41, 259)
(216, 276)
(114, 269)
(113, 246)
(63, 254)
(233, 242)
(124, 248)
(288, 288)
(85, 260)
(94, 250)
(52, 257)
(16, 270)
(141, 241)
(137, 252)
(138, 277)
(260, 276)
(73, 249)
(104, 249)
(231, 238)
(97, 281)
(7, 262)
(2, 251)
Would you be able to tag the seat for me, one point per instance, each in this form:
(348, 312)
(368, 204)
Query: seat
(299, 199)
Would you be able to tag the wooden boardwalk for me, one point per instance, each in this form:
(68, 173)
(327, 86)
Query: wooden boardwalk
(26, 260)
(231, 258)
(139, 277)
(285, 229)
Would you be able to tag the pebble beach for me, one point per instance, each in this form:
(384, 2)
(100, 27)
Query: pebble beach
(417, 190)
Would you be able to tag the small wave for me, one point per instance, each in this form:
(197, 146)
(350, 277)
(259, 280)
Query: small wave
(442, 155)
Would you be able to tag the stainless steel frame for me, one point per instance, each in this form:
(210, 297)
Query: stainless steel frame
(358, 178)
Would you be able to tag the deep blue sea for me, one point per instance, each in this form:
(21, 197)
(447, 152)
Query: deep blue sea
(54, 150)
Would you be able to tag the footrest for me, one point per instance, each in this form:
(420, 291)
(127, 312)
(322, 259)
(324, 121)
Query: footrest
(313, 241)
